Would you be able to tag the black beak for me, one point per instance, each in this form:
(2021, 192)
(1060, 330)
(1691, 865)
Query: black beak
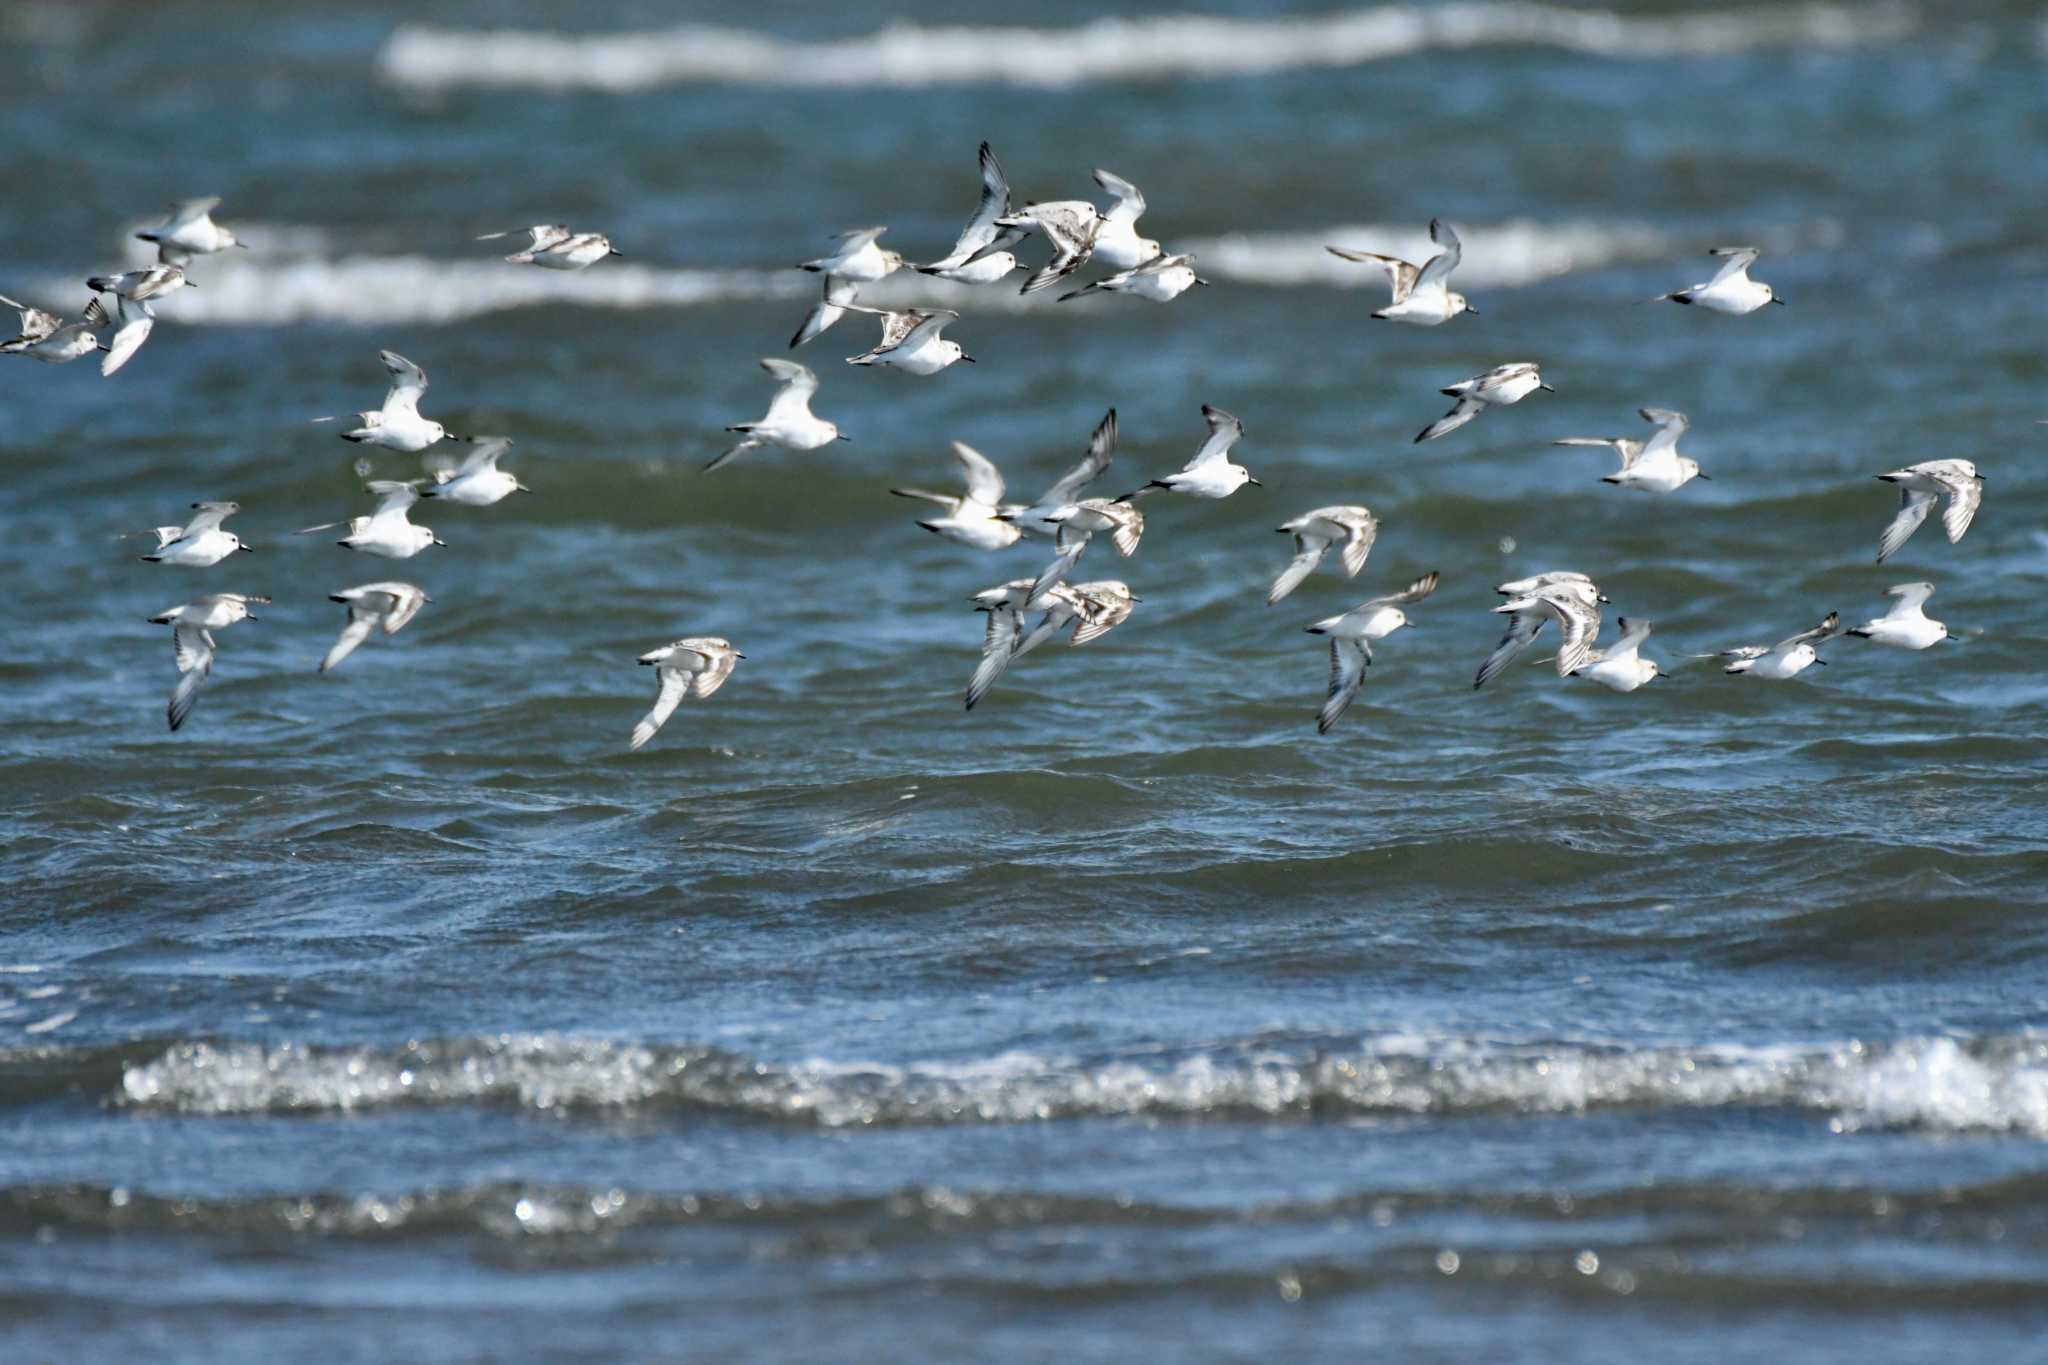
(737, 655)
(1708, 477)
(1473, 311)
(1776, 299)
(246, 549)
(966, 357)
(1822, 662)
(1253, 482)
(1546, 388)
(616, 252)
(842, 438)
(1199, 280)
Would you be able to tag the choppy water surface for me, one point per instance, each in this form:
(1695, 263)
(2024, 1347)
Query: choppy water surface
(401, 1013)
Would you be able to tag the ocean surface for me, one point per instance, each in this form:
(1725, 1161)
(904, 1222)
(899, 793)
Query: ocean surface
(401, 1013)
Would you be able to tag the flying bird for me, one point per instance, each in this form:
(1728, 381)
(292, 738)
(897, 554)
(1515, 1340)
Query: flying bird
(692, 668)
(370, 605)
(1351, 635)
(1421, 294)
(789, 422)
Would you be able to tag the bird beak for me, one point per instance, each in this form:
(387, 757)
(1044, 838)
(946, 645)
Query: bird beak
(843, 438)
(1776, 299)
(1253, 482)
(966, 357)
(1199, 280)
(246, 549)
(442, 543)
(1473, 311)
(1822, 662)
(1708, 477)
(1546, 388)
(737, 655)
(616, 252)
(252, 616)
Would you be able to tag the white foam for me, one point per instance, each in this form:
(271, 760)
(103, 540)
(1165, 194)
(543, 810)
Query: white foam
(1987, 1085)
(1154, 48)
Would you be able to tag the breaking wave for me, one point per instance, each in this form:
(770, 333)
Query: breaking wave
(1139, 49)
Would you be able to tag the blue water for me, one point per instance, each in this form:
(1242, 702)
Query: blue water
(400, 1012)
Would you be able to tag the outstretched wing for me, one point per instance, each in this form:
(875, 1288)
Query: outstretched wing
(1224, 431)
(1347, 673)
(394, 496)
(1579, 620)
(1130, 203)
(1830, 626)
(1521, 632)
(1671, 425)
(674, 683)
(210, 515)
(192, 647)
(1965, 495)
(1359, 544)
(840, 293)
(981, 231)
(408, 382)
(997, 645)
(1308, 552)
(1467, 408)
(1436, 271)
(719, 664)
(1400, 274)
(984, 480)
(1056, 572)
(1735, 260)
(1101, 447)
(1914, 505)
(1414, 592)
(927, 327)
(360, 624)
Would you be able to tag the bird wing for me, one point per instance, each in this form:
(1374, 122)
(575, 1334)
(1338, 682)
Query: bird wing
(35, 323)
(1521, 632)
(1101, 612)
(185, 696)
(1912, 596)
(850, 242)
(1629, 450)
(1414, 592)
(128, 338)
(192, 647)
(839, 294)
(1400, 274)
(1101, 447)
(408, 382)
(1130, 202)
(1914, 505)
(1358, 544)
(186, 212)
(997, 647)
(1130, 527)
(1467, 408)
(798, 384)
(394, 496)
(1965, 494)
(210, 515)
(1347, 673)
(674, 682)
(981, 231)
(1579, 619)
(483, 454)
(1054, 573)
(1735, 260)
(406, 601)
(1633, 633)
(1224, 431)
(1436, 271)
(1830, 626)
(360, 623)
(719, 665)
(927, 327)
(1670, 426)
(1308, 552)
(984, 480)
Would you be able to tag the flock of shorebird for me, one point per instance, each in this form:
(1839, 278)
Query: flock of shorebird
(1023, 612)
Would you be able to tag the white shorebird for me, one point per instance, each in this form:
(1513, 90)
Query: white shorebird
(1351, 635)
(1920, 487)
(200, 543)
(840, 294)
(1069, 224)
(1731, 290)
(387, 532)
(1906, 625)
(1620, 666)
(133, 322)
(911, 341)
(693, 667)
(190, 231)
(553, 246)
(1785, 659)
(1093, 609)
(1499, 386)
(975, 517)
(1079, 523)
(1314, 533)
(370, 605)
(1211, 473)
(398, 424)
(477, 481)
(1421, 294)
(1161, 279)
(857, 258)
(979, 254)
(1036, 520)
(192, 639)
(1655, 466)
(142, 285)
(48, 338)
(1570, 599)
(1117, 242)
(789, 422)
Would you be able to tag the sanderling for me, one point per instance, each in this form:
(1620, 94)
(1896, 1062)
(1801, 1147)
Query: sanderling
(1314, 533)
(1036, 519)
(133, 322)
(1092, 608)
(192, 641)
(1422, 294)
(398, 424)
(789, 422)
(190, 230)
(1117, 242)
(1501, 385)
(1920, 487)
(975, 517)
(1079, 523)
(1620, 666)
(200, 543)
(1210, 474)
(48, 338)
(978, 255)
(556, 247)
(1731, 290)
(840, 294)
(694, 667)
(1906, 625)
(1655, 466)
(142, 285)
(1161, 279)
(387, 604)
(1351, 635)
(1784, 659)
(857, 258)
(1570, 599)
(477, 481)
(388, 531)
(911, 341)
(1070, 225)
